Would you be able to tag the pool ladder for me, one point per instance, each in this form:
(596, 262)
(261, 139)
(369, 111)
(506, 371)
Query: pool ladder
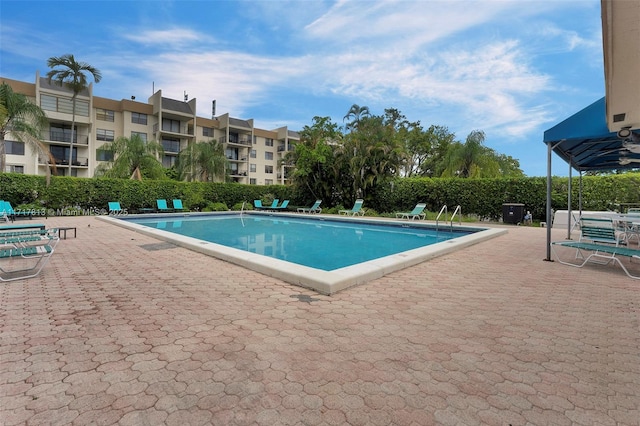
(457, 211)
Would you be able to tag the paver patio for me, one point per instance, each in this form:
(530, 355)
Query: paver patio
(122, 329)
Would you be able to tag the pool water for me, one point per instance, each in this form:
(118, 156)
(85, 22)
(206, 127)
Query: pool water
(321, 244)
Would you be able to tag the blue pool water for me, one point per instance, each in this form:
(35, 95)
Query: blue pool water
(322, 244)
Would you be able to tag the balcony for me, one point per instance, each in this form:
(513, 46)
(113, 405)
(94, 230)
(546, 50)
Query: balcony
(171, 146)
(235, 141)
(77, 161)
(65, 136)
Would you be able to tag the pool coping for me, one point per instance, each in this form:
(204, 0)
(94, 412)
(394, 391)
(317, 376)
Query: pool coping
(324, 282)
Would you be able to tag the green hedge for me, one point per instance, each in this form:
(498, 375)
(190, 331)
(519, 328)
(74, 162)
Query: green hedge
(70, 192)
(481, 197)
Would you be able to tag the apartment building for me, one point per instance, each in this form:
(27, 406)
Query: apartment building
(254, 155)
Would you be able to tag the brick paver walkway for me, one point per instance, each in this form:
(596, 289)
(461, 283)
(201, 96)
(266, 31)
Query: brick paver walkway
(120, 330)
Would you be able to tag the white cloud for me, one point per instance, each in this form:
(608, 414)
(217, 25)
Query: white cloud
(168, 37)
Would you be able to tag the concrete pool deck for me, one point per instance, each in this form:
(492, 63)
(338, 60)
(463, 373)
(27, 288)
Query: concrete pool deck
(121, 328)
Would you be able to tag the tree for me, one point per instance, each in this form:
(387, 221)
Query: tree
(67, 72)
(356, 113)
(132, 158)
(469, 159)
(202, 161)
(426, 150)
(314, 159)
(24, 120)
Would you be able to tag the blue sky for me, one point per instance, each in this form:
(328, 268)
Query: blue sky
(512, 69)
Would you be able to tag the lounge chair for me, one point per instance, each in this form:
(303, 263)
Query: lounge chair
(162, 206)
(7, 208)
(282, 206)
(355, 210)
(600, 238)
(12, 256)
(114, 207)
(416, 213)
(29, 238)
(315, 208)
(177, 206)
(4, 217)
(259, 206)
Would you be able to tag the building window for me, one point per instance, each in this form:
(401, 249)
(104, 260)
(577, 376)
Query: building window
(268, 169)
(12, 168)
(104, 114)
(105, 135)
(14, 147)
(252, 168)
(142, 135)
(64, 105)
(268, 155)
(255, 140)
(268, 142)
(253, 181)
(139, 118)
(169, 125)
(103, 154)
(207, 131)
(253, 154)
(268, 181)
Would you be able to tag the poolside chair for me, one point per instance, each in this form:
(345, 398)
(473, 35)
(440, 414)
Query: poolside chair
(355, 210)
(114, 207)
(282, 206)
(4, 217)
(315, 208)
(21, 256)
(177, 206)
(7, 208)
(257, 204)
(162, 206)
(416, 213)
(274, 204)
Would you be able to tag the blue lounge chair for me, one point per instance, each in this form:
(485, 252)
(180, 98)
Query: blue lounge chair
(4, 217)
(274, 205)
(257, 204)
(416, 213)
(7, 208)
(282, 206)
(114, 207)
(162, 206)
(177, 206)
(315, 208)
(355, 210)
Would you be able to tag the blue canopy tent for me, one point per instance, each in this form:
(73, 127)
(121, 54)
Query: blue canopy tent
(585, 142)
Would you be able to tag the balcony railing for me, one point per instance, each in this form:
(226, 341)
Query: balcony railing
(235, 141)
(77, 161)
(64, 136)
(170, 146)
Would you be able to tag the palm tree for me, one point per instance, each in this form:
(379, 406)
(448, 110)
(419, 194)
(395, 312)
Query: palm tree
(24, 120)
(67, 72)
(471, 159)
(132, 158)
(356, 113)
(202, 161)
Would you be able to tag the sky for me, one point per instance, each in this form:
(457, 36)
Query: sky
(509, 68)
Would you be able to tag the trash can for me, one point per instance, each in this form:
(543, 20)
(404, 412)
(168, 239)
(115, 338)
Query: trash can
(512, 213)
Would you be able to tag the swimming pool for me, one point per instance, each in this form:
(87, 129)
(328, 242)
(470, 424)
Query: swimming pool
(322, 252)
